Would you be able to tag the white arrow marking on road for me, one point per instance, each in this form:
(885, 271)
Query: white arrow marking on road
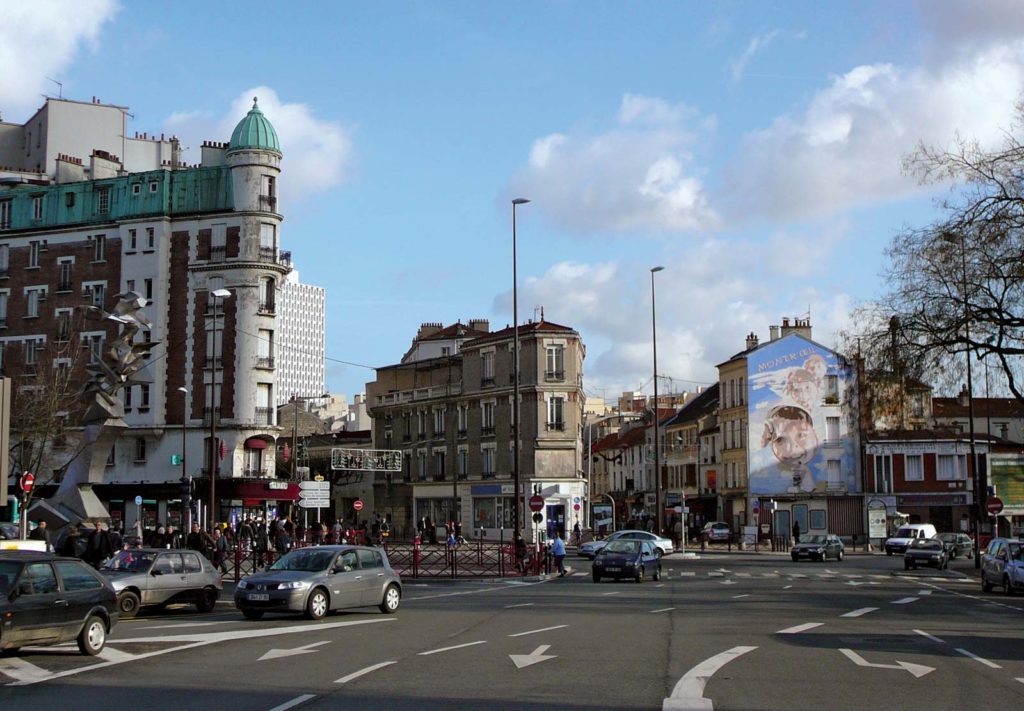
(543, 629)
(904, 600)
(361, 672)
(918, 670)
(800, 628)
(537, 655)
(304, 649)
(861, 611)
(688, 693)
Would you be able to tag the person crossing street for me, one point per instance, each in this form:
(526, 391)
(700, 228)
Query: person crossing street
(558, 551)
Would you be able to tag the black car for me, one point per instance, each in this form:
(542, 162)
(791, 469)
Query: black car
(47, 599)
(925, 551)
(818, 546)
(957, 544)
(627, 559)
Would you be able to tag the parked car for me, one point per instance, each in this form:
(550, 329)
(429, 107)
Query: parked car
(818, 546)
(957, 544)
(1002, 564)
(907, 533)
(716, 531)
(627, 559)
(926, 551)
(157, 576)
(47, 599)
(11, 540)
(663, 546)
(320, 579)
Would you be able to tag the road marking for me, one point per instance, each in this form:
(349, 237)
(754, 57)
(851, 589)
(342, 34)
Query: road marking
(796, 575)
(728, 582)
(660, 586)
(212, 637)
(304, 649)
(832, 572)
(522, 604)
(931, 637)
(537, 655)
(905, 600)
(664, 609)
(294, 702)
(25, 672)
(543, 629)
(715, 575)
(736, 597)
(1020, 679)
(361, 672)
(800, 628)
(186, 624)
(688, 693)
(742, 575)
(109, 654)
(448, 649)
(924, 592)
(918, 670)
(578, 575)
(787, 587)
(861, 611)
(689, 574)
(611, 593)
(976, 658)
(825, 575)
(724, 570)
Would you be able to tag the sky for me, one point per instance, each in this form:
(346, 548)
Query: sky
(752, 149)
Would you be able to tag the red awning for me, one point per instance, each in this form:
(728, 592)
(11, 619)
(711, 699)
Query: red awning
(261, 490)
(256, 443)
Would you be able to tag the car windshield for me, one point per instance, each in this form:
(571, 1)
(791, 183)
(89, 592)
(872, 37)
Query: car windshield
(130, 561)
(1016, 551)
(926, 543)
(906, 533)
(620, 547)
(948, 537)
(308, 559)
(9, 570)
(812, 539)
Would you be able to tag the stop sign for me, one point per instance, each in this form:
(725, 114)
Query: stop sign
(28, 479)
(994, 505)
(536, 502)
(358, 505)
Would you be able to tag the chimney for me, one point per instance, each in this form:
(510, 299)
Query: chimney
(799, 326)
(962, 397)
(773, 333)
(480, 324)
(751, 341)
(428, 329)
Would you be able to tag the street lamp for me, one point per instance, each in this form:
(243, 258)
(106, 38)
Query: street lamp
(217, 295)
(515, 379)
(186, 480)
(975, 474)
(657, 452)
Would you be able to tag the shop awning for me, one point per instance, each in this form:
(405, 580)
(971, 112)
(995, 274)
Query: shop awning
(263, 490)
(256, 443)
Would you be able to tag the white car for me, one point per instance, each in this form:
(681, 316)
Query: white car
(664, 546)
(906, 534)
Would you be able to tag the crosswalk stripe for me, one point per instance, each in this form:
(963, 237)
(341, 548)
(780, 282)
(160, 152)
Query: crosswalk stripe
(904, 600)
(21, 670)
(861, 611)
(109, 654)
(800, 628)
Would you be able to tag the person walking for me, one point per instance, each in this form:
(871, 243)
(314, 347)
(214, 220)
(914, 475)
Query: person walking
(520, 550)
(99, 547)
(796, 532)
(577, 533)
(41, 533)
(198, 540)
(220, 551)
(558, 551)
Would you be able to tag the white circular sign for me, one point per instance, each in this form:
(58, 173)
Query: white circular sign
(138, 501)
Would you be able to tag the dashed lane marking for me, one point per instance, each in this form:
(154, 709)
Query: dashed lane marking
(616, 592)
(664, 609)
(787, 587)
(905, 600)
(180, 625)
(361, 672)
(578, 575)
(800, 628)
(294, 702)
(448, 649)
(543, 629)
(522, 604)
(924, 592)
(736, 597)
(861, 611)
(930, 636)
(976, 658)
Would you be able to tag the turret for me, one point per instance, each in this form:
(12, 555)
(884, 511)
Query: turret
(254, 155)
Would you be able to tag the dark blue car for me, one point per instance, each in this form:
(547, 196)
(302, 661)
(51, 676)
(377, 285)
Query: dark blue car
(627, 559)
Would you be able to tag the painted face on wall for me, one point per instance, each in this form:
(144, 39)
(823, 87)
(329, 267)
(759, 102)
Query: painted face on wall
(789, 431)
(802, 388)
(816, 366)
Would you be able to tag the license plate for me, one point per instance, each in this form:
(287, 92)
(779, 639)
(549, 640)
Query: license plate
(614, 570)
(258, 597)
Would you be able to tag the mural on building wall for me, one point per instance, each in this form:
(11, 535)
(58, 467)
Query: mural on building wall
(791, 397)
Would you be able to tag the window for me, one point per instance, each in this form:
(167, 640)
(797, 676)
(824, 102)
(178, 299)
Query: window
(153, 186)
(555, 368)
(29, 352)
(94, 342)
(439, 421)
(192, 563)
(439, 470)
(99, 244)
(41, 578)
(98, 293)
(832, 389)
(103, 201)
(1003, 428)
(150, 235)
(951, 467)
(835, 473)
(488, 368)
(34, 248)
(143, 397)
(265, 349)
(461, 460)
(132, 240)
(487, 461)
(3, 308)
(421, 466)
(149, 289)
(268, 239)
(369, 558)
(5, 251)
(555, 412)
(831, 429)
(140, 450)
(34, 296)
(63, 324)
(487, 421)
(463, 411)
(76, 576)
(265, 403)
(219, 243)
(69, 200)
(129, 389)
(64, 275)
(915, 467)
(37, 207)
(421, 423)
(137, 189)
(5, 214)
(883, 473)
(130, 285)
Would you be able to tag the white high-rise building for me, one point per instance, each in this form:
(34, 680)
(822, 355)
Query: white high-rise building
(300, 351)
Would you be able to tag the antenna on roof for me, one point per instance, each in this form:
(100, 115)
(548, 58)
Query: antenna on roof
(60, 88)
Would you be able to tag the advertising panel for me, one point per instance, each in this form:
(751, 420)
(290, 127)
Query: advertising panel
(1006, 474)
(799, 437)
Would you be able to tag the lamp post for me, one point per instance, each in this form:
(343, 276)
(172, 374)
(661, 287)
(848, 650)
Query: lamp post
(217, 295)
(518, 497)
(657, 449)
(975, 474)
(186, 480)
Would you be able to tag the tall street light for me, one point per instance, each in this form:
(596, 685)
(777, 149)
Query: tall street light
(657, 449)
(186, 479)
(975, 474)
(517, 498)
(217, 295)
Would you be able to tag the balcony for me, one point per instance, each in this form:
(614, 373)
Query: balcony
(266, 362)
(487, 431)
(404, 396)
(65, 286)
(267, 306)
(439, 477)
(553, 375)
(264, 416)
(486, 382)
(268, 203)
(268, 255)
(218, 253)
(487, 475)
(556, 426)
(461, 433)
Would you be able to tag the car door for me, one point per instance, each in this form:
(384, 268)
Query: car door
(192, 569)
(346, 581)
(83, 590)
(371, 563)
(166, 578)
(39, 609)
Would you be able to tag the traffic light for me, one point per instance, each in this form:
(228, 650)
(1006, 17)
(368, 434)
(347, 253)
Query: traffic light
(176, 460)
(186, 492)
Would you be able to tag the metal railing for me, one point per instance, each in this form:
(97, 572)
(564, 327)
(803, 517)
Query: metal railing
(264, 415)
(265, 362)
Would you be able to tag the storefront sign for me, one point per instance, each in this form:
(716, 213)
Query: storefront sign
(277, 485)
(932, 499)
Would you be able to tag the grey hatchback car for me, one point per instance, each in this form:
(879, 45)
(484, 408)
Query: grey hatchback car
(319, 579)
(160, 576)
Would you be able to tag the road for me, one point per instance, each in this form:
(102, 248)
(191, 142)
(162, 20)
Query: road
(718, 632)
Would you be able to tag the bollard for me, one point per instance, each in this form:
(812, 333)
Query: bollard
(415, 556)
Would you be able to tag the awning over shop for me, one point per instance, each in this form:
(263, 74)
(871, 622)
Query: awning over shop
(262, 489)
(256, 443)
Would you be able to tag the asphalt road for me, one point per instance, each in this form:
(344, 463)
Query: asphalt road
(719, 632)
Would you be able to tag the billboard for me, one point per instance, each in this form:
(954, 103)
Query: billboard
(1006, 475)
(799, 438)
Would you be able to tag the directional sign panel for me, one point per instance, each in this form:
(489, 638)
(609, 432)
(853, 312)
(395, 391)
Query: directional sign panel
(315, 503)
(315, 485)
(371, 460)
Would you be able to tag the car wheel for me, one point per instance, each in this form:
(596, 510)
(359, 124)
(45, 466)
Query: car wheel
(986, 586)
(839, 556)
(392, 597)
(9, 652)
(1007, 587)
(824, 557)
(639, 574)
(597, 577)
(207, 600)
(128, 604)
(93, 636)
(316, 606)
(253, 614)
(888, 552)
(795, 558)
(906, 565)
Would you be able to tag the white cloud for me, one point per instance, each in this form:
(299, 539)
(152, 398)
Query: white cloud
(317, 153)
(968, 24)
(40, 39)
(637, 176)
(755, 45)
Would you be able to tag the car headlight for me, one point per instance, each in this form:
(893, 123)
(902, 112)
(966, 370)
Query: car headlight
(242, 585)
(294, 585)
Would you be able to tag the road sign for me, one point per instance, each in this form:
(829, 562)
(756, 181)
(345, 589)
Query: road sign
(315, 503)
(358, 505)
(576, 507)
(536, 502)
(315, 485)
(367, 460)
(28, 479)
(757, 506)
(138, 501)
(538, 517)
(995, 505)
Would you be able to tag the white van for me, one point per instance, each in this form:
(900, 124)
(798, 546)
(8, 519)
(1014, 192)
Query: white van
(907, 533)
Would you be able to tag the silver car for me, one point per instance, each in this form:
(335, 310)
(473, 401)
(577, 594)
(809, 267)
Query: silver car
(1002, 564)
(663, 546)
(319, 579)
(159, 576)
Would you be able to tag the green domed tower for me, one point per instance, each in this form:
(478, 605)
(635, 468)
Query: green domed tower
(254, 156)
(254, 132)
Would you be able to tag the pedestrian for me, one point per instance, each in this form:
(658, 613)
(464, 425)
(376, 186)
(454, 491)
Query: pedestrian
(173, 537)
(72, 545)
(796, 532)
(158, 538)
(260, 543)
(99, 547)
(41, 533)
(577, 533)
(199, 540)
(558, 551)
(336, 530)
(520, 550)
(116, 539)
(220, 551)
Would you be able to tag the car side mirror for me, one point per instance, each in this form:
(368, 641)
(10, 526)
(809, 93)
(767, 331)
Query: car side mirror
(156, 571)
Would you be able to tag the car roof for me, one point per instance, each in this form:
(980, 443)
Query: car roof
(22, 555)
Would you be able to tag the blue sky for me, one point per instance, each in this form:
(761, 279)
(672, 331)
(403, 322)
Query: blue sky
(751, 148)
